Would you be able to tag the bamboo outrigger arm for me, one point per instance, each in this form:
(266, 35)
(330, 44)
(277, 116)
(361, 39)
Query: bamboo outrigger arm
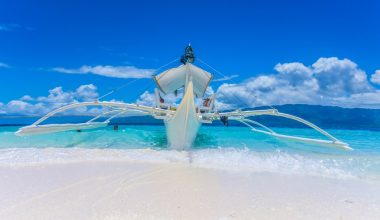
(117, 110)
(242, 116)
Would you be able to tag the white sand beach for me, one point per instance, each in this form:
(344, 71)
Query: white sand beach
(143, 190)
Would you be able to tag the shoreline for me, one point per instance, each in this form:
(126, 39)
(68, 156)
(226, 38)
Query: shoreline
(143, 190)
(356, 167)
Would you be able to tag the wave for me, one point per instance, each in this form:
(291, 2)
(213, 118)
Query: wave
(229, 159)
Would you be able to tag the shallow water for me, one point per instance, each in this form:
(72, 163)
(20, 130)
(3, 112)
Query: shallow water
(230, 148)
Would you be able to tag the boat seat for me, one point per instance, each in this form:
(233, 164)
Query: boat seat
(208, 104)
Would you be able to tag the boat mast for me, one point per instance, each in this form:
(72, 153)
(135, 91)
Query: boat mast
(188, 57)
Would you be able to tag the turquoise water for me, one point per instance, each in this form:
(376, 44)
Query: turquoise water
(215, 147)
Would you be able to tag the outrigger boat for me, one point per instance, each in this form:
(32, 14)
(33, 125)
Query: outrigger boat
(182, 122)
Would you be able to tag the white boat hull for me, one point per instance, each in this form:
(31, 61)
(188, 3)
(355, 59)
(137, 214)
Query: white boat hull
(183, 126)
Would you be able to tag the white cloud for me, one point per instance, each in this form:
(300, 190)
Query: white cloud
(4, 65)
(86, 92)
(340, 77)
(329, 81)
(294, 70)
(56, 98)
(9, 27)
(2, 108)
(16, 106)
(149, 99)
(14, 27)
(4, 28)
(363, 100)
(26, 98)
(226, 78)
(110, 71)
(375, 78)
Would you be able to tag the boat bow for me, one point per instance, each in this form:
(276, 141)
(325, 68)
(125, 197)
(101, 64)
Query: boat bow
(182, 127)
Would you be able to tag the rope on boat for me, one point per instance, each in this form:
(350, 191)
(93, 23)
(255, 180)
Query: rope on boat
(223, 75)
(118, 88)
(176, 59)
(133, 81)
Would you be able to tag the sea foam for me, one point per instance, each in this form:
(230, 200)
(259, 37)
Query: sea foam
(229, 159)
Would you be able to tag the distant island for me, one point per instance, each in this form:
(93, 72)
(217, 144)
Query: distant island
(330, 117)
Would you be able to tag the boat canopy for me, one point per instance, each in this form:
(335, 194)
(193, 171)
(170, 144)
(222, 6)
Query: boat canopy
(175, 78)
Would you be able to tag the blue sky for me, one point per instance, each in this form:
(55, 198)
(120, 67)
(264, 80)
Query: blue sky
(50, 44)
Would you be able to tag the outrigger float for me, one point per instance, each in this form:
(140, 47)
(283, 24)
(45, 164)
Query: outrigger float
(183, 122)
